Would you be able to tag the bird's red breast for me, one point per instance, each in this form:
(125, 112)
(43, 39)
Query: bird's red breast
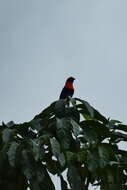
(69, 85)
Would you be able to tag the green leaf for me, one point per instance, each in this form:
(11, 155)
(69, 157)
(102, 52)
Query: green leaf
(112, 124)
(74, 178)
(115, 121)
(53, 166)
(98, 130)
(89, 112)
(90, 135)
(122, 157)
(121, 127)
(116, 187)
(35, 124)
(12, 153)
(63, 183)
(88, 107)
(99, 116)
(44, 179)
(34, 185)
(46, 113)
(64, 127)
(27, 168)
(61, 159)
(73, 113)
(10, 124)
(64, 124)
(82, 156)
(71, 157)
(73, 101)
(55, 147)
(116, 137)
(106, 154)
(6, 134)
(35, 149)
(57, 152)
(41, 179)
(93, 160)
(76, 128)
(60, 108)
(44, 139)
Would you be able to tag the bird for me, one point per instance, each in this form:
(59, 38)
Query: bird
(68, 89)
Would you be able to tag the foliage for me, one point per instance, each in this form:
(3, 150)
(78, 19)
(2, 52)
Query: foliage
(72, 137)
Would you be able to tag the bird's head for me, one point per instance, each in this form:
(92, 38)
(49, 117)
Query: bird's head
(70, 79)
(69, 82)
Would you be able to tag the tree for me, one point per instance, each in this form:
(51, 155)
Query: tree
(66, 136)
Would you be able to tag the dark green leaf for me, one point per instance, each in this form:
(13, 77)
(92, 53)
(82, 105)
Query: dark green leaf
(57, 152)
(99, 116)
(12, 153)
(76, 128)
(93, 160)
(82, 156)
(73, 113)
(61, 159)
(74, 178)
(63, 127)
(55, 147)
(90, 135)
(63, 183)
(10, 124)
(101, 130)
(90, 109)
(6, 134)
(60, 108)
(46, 113)
(121, 127)
(98, 130)
(64, 131)
(116, 137)
(87, 106)
(112, 124)
(53, 166)
(36, 124)
(71, 157)
(35, 149)
(41, 180)
(107, 154)
(104, 155)
(28, 169)
(73, 101)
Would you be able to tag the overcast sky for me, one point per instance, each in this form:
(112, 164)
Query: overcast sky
(42, 42)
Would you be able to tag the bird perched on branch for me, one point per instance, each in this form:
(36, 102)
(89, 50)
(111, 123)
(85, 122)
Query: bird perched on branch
(68, 89)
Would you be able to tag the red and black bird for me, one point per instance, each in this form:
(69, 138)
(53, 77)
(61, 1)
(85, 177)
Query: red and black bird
(68, 89)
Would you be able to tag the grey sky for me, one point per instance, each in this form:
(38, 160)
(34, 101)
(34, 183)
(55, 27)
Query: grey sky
(44, 41)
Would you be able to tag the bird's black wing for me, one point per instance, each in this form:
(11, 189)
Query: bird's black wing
(66, 92)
